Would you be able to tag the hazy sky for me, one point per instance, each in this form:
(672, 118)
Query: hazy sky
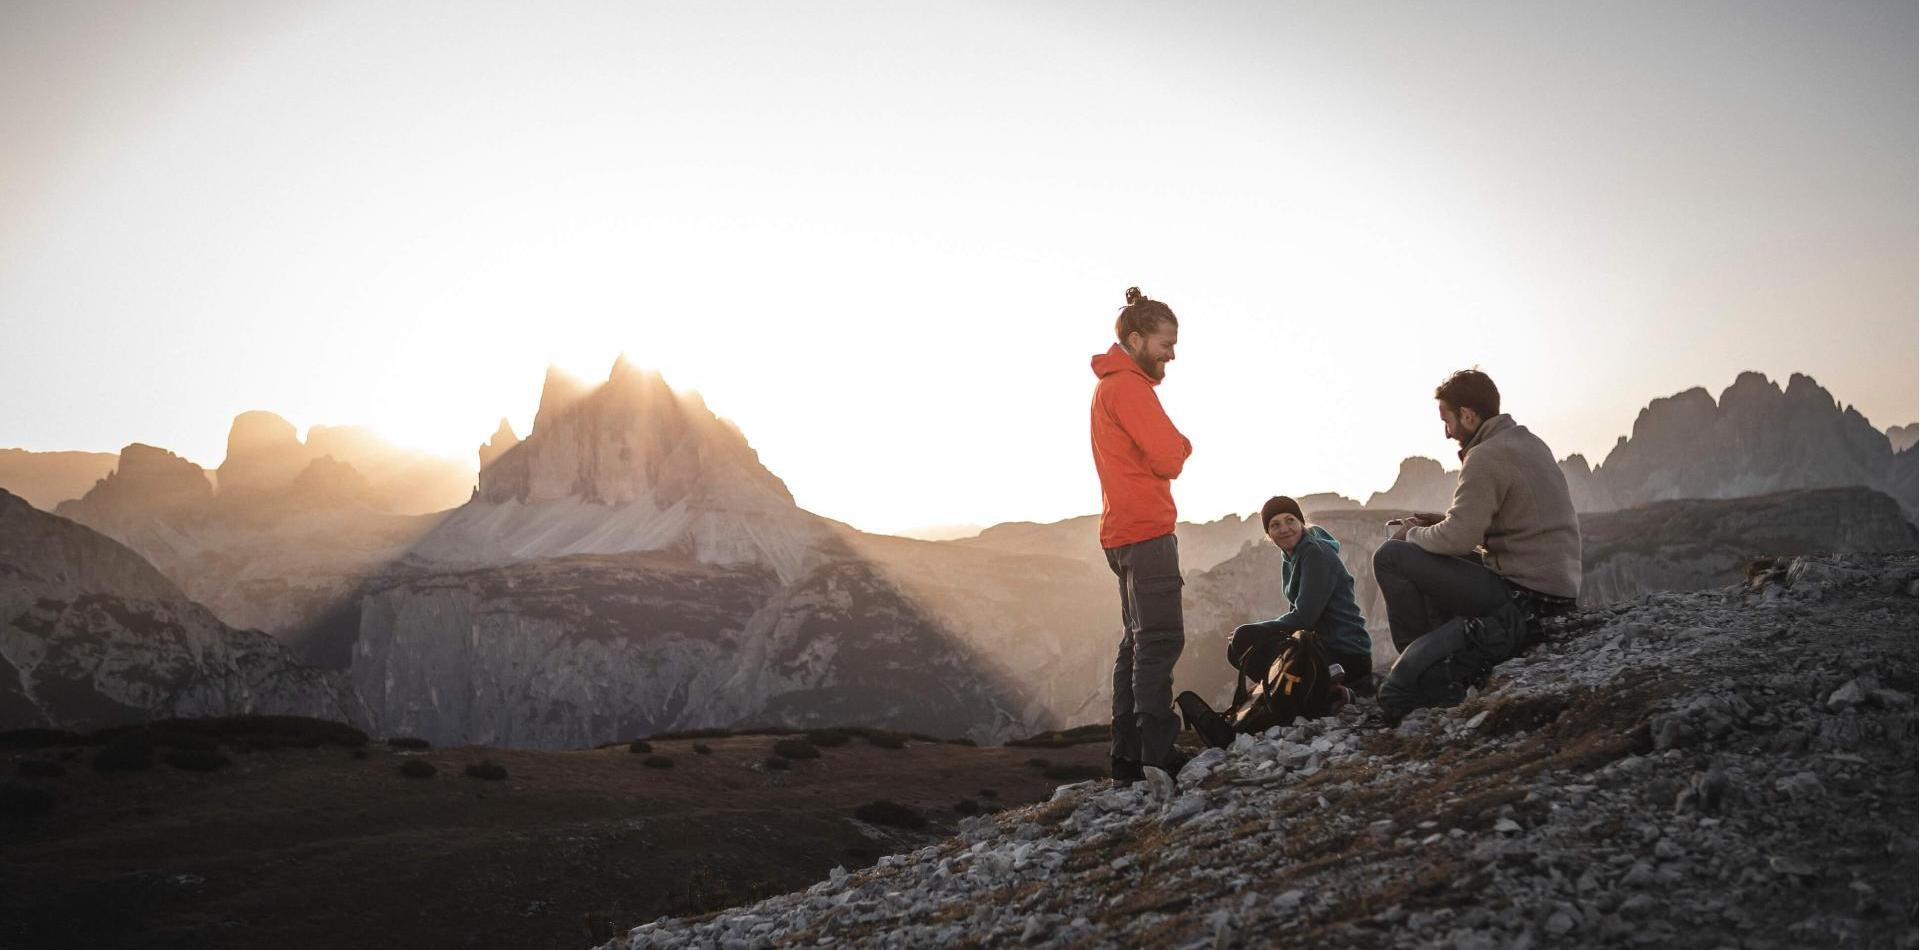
(885, 238)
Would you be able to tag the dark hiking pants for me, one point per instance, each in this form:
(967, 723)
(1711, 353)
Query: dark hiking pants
(1425, 590)
(1152, 636)
(1452, 620)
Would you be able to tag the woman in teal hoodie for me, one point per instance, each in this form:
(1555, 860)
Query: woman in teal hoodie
(1320, 591)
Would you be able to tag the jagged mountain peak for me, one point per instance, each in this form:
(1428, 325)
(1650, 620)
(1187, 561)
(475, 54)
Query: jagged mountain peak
(676, 476)
(502, 440)
(559, 392)
(257, 430)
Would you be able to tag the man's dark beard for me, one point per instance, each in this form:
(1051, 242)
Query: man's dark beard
(1155, 372)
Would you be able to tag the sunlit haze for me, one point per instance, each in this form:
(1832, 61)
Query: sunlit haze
(885, 239)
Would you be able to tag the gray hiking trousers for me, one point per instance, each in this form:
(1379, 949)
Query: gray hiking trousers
(1152, 636)
(1437, 669)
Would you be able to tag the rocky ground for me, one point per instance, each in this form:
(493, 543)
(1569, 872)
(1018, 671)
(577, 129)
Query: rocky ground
(1728, 768)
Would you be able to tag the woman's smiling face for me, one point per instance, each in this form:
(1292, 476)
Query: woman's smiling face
(1286, 530)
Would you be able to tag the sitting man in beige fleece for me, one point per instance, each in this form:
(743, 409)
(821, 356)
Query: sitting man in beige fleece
(1460, 588)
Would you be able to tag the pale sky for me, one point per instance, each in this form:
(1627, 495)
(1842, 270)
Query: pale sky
(885, 238)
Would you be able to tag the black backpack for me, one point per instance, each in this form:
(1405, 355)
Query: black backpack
(1273, 689)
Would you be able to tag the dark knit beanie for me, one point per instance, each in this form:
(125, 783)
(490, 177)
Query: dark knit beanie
(1276, 505)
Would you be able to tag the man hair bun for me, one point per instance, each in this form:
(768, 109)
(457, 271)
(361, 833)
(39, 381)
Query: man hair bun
(1134, 296)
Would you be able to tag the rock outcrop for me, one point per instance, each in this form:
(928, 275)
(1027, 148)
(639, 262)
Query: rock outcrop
(1902, 438)
(568, 652)
(46, 479)
(264, 454)
(502, 440)
(91, 635)
(1733, 766)
(1421, 485)
(148, 481)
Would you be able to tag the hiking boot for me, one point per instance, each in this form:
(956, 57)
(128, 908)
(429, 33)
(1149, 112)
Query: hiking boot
(1338, 697)
(1210, 726)
(1127, 771)
(1176, 760)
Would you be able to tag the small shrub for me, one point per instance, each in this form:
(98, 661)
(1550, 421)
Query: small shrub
(796, 749)
(130, 753)
(701, 748)
(963, 740)
(775, 763)
(887, 740)
(1039, 763)
(408, 742)
(1062, 738)
(657, 762)
(40, 768)
(694, 734)
(173, 736)
(487, 769)
(19, 798)
(1074, 773)
(639, 745)
(966, 806)
(894, 814)
(37, 738)
(197, 760)
(923, 737)
(417, 768)
(828, 738)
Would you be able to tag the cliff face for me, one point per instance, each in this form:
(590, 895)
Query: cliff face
(566, 652)
(1688, 545)
(91, 635)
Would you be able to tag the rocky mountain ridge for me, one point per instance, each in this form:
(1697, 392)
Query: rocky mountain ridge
(46, 479)
(91, 635)
(1720, 767)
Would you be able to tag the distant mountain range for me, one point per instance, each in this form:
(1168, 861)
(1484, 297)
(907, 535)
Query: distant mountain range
(631, 567)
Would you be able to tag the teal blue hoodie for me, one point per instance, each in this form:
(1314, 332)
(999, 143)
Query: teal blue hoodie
(1320, 590)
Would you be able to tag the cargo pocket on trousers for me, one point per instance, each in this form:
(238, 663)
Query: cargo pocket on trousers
(1156, 602)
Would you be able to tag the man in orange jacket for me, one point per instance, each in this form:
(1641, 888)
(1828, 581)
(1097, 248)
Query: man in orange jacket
(1138, 453)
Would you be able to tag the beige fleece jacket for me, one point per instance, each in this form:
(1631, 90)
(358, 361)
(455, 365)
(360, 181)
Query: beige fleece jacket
(1512, 504)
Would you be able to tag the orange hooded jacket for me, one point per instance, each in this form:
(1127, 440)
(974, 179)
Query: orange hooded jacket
(1136, 450)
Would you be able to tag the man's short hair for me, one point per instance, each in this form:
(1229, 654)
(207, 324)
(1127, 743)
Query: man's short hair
(1471, 389)
(1141, 315)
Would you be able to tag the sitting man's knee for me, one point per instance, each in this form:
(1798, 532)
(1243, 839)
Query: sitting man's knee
(1392, 553)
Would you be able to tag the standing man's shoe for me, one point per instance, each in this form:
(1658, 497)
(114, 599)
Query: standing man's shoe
(1127, 771)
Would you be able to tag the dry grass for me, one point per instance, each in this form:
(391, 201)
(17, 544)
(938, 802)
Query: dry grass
(313, 848)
